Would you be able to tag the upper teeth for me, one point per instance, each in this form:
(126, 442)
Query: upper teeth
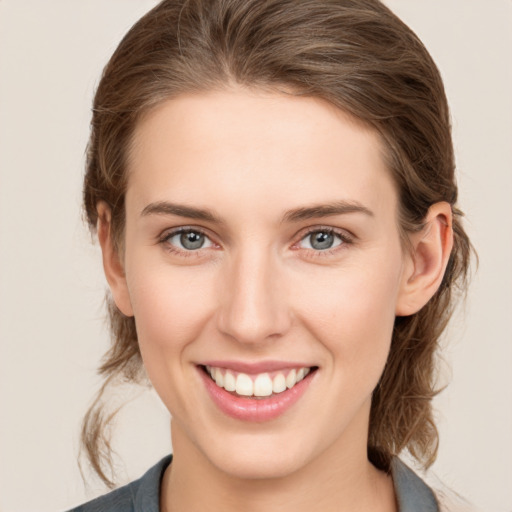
(261, 384)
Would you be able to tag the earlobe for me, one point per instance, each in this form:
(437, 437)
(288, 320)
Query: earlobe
(426, 261)
(112, 264)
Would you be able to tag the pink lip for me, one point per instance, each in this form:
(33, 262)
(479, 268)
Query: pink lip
(254, 409)
(253, 368)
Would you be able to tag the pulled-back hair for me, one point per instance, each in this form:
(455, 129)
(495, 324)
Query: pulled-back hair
(355, 54)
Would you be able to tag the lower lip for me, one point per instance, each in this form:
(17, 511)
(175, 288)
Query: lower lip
(254, 409)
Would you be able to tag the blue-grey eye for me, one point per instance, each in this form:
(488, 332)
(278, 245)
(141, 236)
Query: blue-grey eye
(321, 240)
(190, 240)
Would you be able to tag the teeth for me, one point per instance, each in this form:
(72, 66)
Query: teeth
(263, 385)
(219, 378)
(229, 382)
(291, 379)
(244, 385)
(260, 385)
(279, 383)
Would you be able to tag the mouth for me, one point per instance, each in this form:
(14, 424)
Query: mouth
(252, 394)
(260, 385)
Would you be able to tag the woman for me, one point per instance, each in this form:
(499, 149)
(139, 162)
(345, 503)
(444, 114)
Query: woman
(272, 184)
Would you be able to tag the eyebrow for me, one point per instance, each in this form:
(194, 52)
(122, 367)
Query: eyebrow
(326, 210)
(291, 216)
(166, 208)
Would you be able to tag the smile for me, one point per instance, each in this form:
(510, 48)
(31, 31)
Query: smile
(259, 385)
(255, 393)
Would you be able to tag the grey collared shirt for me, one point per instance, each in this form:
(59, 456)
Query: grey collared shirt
(143, 495)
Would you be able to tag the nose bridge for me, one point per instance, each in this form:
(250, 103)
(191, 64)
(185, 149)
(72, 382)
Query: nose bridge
(254, 306)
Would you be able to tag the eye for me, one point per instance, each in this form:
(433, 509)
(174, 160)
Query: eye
(321, 240)
(188, 240)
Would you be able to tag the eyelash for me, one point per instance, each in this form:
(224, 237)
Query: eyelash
(344, 237)
(167, 236)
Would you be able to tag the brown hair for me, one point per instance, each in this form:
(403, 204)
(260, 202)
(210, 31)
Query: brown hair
(355, 54)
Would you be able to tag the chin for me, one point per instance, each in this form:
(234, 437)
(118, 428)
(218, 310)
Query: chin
(260, 466)
(257, 457)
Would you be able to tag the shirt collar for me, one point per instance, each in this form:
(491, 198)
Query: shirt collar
(413, 495)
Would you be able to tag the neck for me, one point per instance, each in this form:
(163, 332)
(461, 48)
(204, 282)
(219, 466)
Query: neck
(341, 479)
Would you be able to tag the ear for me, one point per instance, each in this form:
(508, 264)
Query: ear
(426, 260)
(112, 264)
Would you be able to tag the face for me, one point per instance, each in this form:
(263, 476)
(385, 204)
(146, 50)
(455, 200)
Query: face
(261, 244)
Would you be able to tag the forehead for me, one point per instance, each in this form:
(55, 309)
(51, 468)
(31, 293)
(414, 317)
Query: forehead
(249, 145)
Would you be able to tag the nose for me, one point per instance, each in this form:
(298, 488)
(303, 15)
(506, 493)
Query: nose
(254, 307)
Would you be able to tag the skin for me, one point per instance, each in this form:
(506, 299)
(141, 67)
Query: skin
(257, 291)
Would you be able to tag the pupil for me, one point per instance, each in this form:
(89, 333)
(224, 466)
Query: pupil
(321, 240)
(192, 240)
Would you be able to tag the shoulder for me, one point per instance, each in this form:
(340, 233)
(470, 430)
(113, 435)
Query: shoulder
(122, 499)
(141, 495)
(413, 494)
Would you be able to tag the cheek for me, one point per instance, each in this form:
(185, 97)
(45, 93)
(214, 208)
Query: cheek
(170, 306)
(352, 311)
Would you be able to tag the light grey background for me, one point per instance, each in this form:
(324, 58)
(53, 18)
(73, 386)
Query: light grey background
(51, 286)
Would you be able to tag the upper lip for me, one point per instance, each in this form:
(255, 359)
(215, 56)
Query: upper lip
(255, 367)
